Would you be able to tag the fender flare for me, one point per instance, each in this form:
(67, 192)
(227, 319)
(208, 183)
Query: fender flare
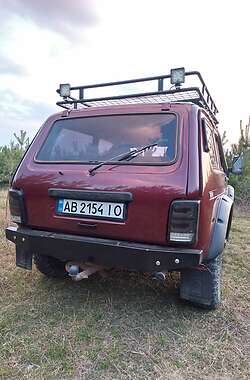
(222, 224)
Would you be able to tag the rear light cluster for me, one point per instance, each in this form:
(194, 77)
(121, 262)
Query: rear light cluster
(17, 207)
(183, 221)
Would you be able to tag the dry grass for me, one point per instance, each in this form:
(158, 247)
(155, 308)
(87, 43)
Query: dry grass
(122, 327)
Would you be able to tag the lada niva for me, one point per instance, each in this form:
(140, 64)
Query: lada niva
(134, 180)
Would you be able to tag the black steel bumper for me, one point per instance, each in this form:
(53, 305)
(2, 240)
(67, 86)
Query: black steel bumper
(109, 253)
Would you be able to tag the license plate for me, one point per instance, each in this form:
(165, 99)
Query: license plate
(107, 210)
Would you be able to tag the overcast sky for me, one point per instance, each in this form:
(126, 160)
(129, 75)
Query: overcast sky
(44, 43)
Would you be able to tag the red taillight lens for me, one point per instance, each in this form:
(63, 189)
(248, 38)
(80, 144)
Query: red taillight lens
(183, 221)
(17, 207)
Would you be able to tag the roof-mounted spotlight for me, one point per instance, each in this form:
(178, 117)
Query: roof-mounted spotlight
(177, 76)
(64, 90)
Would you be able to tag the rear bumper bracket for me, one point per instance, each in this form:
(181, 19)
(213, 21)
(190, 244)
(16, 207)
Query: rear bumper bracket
(106, 252)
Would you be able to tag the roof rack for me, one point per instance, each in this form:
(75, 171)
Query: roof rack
(198, 95)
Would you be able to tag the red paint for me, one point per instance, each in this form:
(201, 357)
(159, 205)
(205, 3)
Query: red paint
(153, 187)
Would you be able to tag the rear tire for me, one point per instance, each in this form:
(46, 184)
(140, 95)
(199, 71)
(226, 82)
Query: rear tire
(50, 266)
(203, 287)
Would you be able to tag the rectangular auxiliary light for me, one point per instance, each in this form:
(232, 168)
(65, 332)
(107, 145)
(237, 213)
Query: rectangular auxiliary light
(64, 90)
(177, 76)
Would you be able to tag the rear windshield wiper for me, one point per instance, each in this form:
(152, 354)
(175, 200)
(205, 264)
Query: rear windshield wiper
(124, 156)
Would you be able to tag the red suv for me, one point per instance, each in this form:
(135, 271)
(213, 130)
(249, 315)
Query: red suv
(135, 181)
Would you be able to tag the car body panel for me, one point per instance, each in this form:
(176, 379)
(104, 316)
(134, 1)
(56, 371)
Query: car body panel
(153, 187)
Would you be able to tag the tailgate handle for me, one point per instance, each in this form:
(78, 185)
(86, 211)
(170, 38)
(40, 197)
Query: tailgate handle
(87, 225)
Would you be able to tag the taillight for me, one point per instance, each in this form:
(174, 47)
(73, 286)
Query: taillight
(17, 207)
(183, 221)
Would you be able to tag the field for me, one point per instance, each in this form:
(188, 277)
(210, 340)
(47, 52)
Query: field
(124, 326)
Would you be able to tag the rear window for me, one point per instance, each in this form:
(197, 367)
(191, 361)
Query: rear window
(101, 138)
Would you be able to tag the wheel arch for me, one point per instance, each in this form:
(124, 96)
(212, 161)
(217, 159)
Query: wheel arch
(222, 225)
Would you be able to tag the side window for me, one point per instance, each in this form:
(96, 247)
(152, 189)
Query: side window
(211, 147)
(218, 152)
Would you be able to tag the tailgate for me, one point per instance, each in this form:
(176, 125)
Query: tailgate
(144, 194)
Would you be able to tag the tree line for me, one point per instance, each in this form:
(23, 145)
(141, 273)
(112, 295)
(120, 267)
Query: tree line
(10, 155)
(241, 183)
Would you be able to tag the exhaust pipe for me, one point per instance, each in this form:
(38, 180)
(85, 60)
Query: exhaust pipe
(159, 276)
(74, 270)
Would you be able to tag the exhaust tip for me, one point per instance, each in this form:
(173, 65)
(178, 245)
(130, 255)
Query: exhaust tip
(73, 270)
(79, 270)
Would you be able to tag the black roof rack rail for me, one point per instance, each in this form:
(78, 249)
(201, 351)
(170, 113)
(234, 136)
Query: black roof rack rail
(198, 95)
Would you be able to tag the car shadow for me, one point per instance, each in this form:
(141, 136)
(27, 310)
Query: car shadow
(119, 292)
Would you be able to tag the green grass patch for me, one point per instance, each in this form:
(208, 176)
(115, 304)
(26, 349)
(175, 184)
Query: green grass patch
(124, 326)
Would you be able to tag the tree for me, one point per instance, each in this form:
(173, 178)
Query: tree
(241, 183)
(22, 140)
(10, 155)
(244, 140)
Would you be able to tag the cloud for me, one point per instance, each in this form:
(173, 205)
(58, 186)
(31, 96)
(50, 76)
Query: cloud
(8, 67)
(19, 113)
(61, 16)
(13, 107)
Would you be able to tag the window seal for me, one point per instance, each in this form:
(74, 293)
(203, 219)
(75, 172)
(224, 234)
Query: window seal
(116, 163)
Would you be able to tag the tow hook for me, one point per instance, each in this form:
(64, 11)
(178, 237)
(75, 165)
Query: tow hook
(79, 271)
(159, 276)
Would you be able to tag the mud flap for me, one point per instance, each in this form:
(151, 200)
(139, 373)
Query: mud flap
(202, 287)
(23, 258)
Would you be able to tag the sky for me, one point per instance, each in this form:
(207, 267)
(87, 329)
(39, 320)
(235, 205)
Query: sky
(44, 43)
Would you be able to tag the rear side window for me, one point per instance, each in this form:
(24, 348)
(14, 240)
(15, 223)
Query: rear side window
(211, 147)
(219, 163)
(101, 138)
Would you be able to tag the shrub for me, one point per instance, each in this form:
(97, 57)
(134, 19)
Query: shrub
(241, 186)
(11, 155)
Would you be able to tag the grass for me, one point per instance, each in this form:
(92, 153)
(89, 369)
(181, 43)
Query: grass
(122, 327)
